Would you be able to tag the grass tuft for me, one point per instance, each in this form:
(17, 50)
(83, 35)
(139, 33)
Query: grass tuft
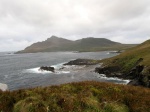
(88, 96)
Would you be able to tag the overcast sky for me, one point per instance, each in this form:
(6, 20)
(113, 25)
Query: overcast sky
(23, 22)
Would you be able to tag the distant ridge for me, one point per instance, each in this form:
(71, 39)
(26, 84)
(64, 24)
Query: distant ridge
(55, 43)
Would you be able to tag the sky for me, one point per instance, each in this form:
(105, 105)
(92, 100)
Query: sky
(23, 22)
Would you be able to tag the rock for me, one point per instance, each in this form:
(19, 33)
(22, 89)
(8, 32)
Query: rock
(52, 69)
(136, 72)
(134, 82)
(110, 71)
(3, 87)
(82, 62)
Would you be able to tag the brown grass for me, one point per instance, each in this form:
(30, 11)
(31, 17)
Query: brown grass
(88, 96)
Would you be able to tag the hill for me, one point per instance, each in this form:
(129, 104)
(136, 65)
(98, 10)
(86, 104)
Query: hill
(86, 44)
(51, 44)
(133, 64)
(77, 97)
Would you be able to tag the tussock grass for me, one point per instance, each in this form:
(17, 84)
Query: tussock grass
(88, 96)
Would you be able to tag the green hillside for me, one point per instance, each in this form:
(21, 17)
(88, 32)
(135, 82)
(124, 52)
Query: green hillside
(86, 44)
(129, 63)
(77, 97)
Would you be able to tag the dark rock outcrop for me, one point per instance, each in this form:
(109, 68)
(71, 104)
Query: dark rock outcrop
(109, 71)
(82, 62)
(52, 69)
(137, 75)
(135, 72)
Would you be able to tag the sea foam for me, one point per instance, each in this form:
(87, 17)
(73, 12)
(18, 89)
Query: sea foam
(57, 67)
(37, 70)
(103, 76)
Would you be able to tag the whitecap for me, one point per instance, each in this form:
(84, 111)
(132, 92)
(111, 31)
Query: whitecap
(36, 70)
(58, 66)
(103, 76)
(61, 72)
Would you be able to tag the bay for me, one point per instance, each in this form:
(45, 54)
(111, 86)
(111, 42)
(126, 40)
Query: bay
(19, 71)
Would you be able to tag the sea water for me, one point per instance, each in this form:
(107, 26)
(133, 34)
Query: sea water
(20, 71)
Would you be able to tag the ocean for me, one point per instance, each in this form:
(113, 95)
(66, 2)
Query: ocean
(21, 71)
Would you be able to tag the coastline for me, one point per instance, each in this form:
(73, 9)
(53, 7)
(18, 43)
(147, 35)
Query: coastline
(83, 66)
(135, 75)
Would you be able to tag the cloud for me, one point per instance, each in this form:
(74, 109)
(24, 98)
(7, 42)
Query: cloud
(11, 45)
(28, 21)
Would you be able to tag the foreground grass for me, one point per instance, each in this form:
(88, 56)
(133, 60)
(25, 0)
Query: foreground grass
(89, 96)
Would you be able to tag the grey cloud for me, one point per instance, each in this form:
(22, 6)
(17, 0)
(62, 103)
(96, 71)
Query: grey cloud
(28, 21)
(129, 9)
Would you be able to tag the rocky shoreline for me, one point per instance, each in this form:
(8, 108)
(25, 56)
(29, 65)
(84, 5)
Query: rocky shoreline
(81, 65)
(136, 74)
(82, 62)
(79, 62)
(46, 68)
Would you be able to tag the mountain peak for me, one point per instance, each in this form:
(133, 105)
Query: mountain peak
(53, 36)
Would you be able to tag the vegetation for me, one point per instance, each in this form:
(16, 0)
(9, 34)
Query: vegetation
(127, 61)
(89, 96)
(86, 96)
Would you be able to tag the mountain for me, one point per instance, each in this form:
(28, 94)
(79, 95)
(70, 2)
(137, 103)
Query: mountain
(132, 64)
(51, 44)
(86, 44)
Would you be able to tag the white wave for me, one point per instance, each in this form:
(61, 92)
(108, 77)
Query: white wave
(57, 67)
(3, 87)
(61, 72)
(103, 76)
(37, 70)
(65, 71)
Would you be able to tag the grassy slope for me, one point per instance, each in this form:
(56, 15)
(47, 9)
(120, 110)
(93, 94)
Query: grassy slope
(126, 61)
(131, 56)
(77, 97)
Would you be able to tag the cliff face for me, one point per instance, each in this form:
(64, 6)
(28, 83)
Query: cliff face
(133, 64)
(86, 44)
